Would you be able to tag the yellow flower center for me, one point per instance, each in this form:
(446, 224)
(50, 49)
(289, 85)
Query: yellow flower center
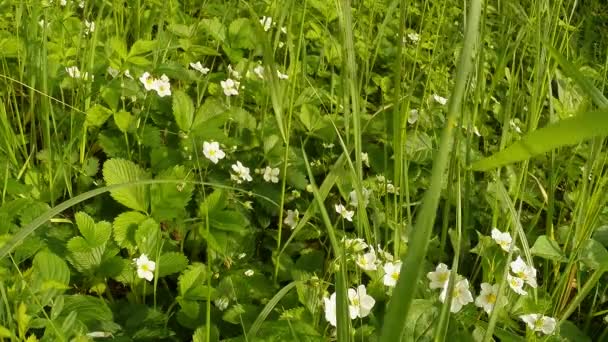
(491, 298)
(395, 275)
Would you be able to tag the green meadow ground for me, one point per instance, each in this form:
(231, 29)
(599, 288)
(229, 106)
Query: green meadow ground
(311, 170)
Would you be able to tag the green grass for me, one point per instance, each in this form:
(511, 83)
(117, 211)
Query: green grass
(97, 171)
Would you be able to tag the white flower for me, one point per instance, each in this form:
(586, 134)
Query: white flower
(212, 151)
(414, 37)
(502, 239)
(222, 303)
(112, 72)
(439, 279)
(354, 245)
(89, 26)
(385, 255)
(282, 76)
(259, 71)
(353, 197)
(515, 126)
(523, 271)
(200, 68)
(361, 303)
(413, 116)
(81, 3)
(330, 309)
(162, 86)
(249, 273)
(127, 74)
(538, 322)
(148, 81)
(487, 297)
(266, 23)
(241, 173)
(347, 214)
(441, 100)
(391, 273)
(292, 218)
(73, 72)
(367, 261)
(365, 158)
(516, 284)
(461, 295)
(271, 175)
(230, 87)
(145, 267)
(42, 23)
(233, 72)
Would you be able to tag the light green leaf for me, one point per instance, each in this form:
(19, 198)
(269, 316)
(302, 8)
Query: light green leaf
(213, 203)
(183, 110)
(569, 131)
(118, 45)
(123, 120)
(547, 249)
(141, 47)
(214, 28)
(170, 263)
(147, 237)
(200, 334)
(118, 171)
(97, 115)
(594, 255)
(241, 34)
(95, 234)
(125, 226)
(5, 333)
(168, 201)
(210, 109)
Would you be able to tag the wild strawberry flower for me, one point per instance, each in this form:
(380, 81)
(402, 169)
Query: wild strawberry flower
(538, 322)
(365, 159)
(241, 173)
(330, 309)
(212, 151)
(127, 74)
(230, 86)
(89, 27)
(487, 297)
(145, 267)
(271, 175)
(200, 68)
(266, 23)
(360, 303)
(504, 240)
(75, 73)
(516, 284)
(259, 71)
(249, 273)
(162, 86)
(461, 295)
(354, 245)
(367, 261)
(523, 271)
(345, 213)
(113, 72)
(413, 117)
(391, 273)
(353, 197)
(233, 73)
(222, 303)
(282, 76)
(292, 218)
(439, 279)
(414, 37)
(441, 100)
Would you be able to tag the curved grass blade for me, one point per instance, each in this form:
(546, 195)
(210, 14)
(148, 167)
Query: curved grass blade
(566, 132)
(257, 324)
(411, 269)
(40, 220)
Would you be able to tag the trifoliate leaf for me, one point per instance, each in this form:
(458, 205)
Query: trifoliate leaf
(183, 110)
(97, 115)
(125, 226)
(95, 234)
(119, 171)
(547, 249)
(170, 263)
(147, 237)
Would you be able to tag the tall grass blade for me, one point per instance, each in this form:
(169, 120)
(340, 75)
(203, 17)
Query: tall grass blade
(566, 132)
(257, 324)
(411, 268)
